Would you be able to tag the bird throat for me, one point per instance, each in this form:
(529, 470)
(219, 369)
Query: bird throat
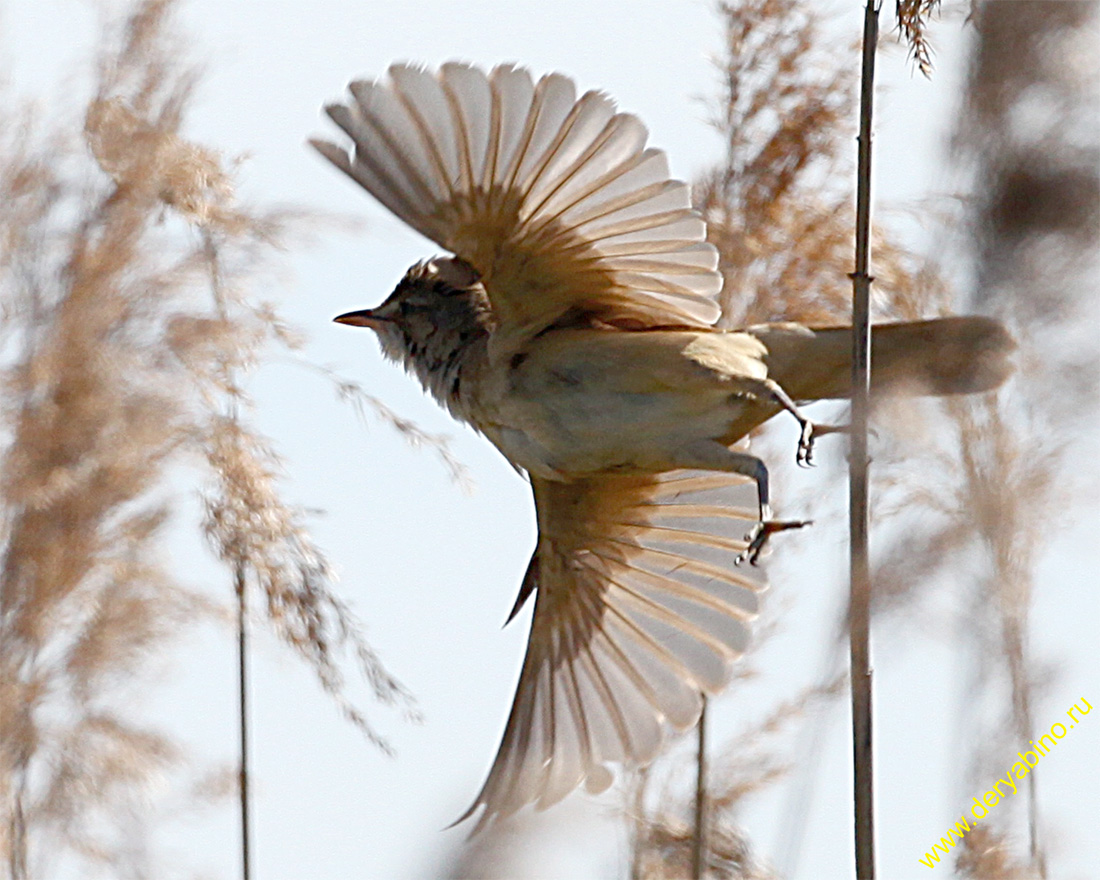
(449, 348)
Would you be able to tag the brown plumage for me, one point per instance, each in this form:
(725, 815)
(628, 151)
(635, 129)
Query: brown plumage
(574, 328)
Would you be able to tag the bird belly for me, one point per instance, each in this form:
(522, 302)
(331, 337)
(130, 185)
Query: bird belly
(585, 402)
(577, 432)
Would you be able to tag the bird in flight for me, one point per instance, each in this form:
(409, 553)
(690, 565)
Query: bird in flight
(572, 323)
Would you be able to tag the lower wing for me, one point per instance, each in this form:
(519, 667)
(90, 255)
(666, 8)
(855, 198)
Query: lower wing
(639, 611)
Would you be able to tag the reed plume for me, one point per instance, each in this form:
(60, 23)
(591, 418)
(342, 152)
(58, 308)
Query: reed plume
(129, 321)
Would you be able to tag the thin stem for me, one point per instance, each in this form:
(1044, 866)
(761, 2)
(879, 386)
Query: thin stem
(1035, 852)
(858, 504)
(17, 826)
(210, 250)
(699, 843)
(242, 683)
(641, 825)
(1014, 641)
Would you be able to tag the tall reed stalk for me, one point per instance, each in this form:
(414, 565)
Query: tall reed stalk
(859, 507)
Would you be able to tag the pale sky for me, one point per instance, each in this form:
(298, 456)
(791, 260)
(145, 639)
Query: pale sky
(433, 570)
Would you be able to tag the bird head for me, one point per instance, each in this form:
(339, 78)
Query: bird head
(437, 314)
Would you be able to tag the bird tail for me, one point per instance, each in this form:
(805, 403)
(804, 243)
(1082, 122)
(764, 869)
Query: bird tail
(957, 355)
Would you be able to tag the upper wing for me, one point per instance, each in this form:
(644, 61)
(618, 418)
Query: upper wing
(555, 201)
(639, 610)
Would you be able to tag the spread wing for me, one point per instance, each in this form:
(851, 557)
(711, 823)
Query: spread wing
(639, 610)
(556, 201)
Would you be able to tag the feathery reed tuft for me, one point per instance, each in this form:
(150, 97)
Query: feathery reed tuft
(128, 325)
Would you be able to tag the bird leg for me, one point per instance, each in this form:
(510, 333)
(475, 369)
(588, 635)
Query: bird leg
(713, 456)
(810, 431)
(758, 537)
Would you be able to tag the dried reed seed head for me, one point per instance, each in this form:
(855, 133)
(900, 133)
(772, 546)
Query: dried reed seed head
(115, 363)
(148, 156)
(986, 855)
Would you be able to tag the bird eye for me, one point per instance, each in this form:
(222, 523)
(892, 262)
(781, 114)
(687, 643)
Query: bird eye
(408, 307)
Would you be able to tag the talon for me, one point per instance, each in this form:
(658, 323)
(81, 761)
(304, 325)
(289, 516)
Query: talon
(805, 455)
(810, 432)
(759, 535)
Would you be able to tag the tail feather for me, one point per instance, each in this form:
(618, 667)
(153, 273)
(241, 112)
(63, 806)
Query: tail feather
(958, 355)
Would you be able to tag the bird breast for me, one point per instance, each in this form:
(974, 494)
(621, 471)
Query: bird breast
(589, 401)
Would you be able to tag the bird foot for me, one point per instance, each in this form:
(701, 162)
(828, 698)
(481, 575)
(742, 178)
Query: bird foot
(810, 432)
(759, 535)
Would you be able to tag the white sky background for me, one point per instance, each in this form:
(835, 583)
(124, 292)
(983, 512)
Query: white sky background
(432, 570)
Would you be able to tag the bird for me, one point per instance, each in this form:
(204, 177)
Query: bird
(571, 321)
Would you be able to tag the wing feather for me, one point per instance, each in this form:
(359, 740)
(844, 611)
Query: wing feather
(394, 186)
(513, 93)
(555, 200)
(614, 147)
(632, 181)
(551, 107)
(393, 143)
(639, 611)
(583, 131)
(471, 104)
(425, 104)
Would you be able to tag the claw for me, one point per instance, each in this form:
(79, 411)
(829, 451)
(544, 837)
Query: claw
(805, 455)
(759, 535)
(810, 432)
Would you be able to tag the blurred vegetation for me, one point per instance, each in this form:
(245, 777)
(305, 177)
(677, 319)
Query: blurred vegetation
(127, 277)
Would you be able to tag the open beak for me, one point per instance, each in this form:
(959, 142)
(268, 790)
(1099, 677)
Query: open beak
(361, 318)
